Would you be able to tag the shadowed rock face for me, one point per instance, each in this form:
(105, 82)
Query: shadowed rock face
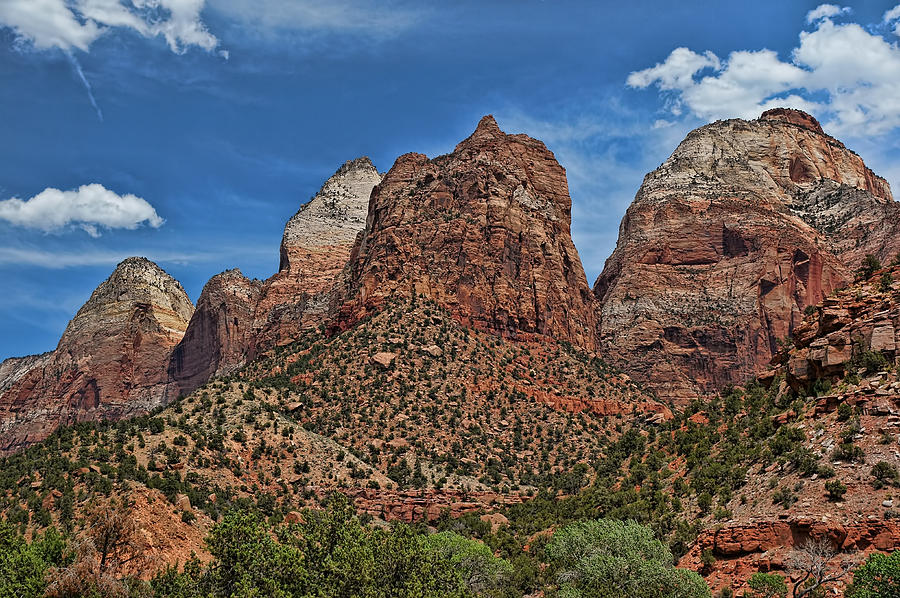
(483, 231)
(236, 318)
(726, 243)
(110, 362)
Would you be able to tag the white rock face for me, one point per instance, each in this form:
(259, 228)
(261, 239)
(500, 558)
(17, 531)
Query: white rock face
(135, 282)
(335, 215)
(12, 369)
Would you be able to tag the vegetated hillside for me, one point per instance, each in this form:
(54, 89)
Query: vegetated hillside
(408, 413)
(731, 484)
(836, 462)
(808, 452)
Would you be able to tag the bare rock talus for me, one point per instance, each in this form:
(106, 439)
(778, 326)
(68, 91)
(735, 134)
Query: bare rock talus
(725, 244)
(236, 317)
(110, 362)
(483, 231)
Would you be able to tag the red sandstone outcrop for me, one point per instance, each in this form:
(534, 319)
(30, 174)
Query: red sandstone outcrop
(412, 506)
(110, 362)
(483, 231)
(219, 334)
(236, 317)
(863, 317)
(725, 244)
(741, 550)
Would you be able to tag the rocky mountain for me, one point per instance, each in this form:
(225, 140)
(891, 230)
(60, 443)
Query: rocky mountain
(726, 243)
(236, 318)
(109, 364)
(483, 231)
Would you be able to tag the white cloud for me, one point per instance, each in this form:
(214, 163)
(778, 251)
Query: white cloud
(76, 24)
(677, 71)
(90, 207)
(825, 11)
(846, 75)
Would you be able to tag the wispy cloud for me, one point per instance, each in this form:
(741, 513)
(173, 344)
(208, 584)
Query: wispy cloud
(69, 259)
(61, 259)
(361, 17)
(87, 86)
(76, 25)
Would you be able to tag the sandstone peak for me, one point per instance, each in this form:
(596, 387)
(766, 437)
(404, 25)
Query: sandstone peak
(726, 243)
(136, 280)
(488, 124)
(137, 262)
(334, 215)
(793, 116)
(361, 163)
(110, 362)
(483, 231)
(486, 131)
(236, 318)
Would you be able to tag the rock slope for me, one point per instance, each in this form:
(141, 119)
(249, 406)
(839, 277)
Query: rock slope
(841, 383)
(236, 318)
(483, 231)
(725, 244)
(110, 362)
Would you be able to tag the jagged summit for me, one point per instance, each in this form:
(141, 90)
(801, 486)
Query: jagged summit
(110, 362)
(333, 216)
(237, 318)
(138, 279)
(487, 127)
(483, 231)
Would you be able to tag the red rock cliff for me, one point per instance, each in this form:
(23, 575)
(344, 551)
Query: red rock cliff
(236, 318)
(483, 231)
(726, 243)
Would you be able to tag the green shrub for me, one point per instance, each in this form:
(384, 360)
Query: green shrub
(870, 361)
(617, 559)
(835, 489)
(878, 577)
(767, 585)
(23, 566)
(884, 474)
(870, 265)
(844, 412)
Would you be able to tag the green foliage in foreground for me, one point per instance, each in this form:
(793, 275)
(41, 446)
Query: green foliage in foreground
(618, 559)
(878, 577)
(23, 566)
(331, 553)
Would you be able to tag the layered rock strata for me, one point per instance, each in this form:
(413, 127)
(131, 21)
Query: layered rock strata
(726, 243)
(110, 362)
(236, 317)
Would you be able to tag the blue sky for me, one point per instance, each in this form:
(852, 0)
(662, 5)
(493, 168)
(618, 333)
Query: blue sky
(189, 131)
